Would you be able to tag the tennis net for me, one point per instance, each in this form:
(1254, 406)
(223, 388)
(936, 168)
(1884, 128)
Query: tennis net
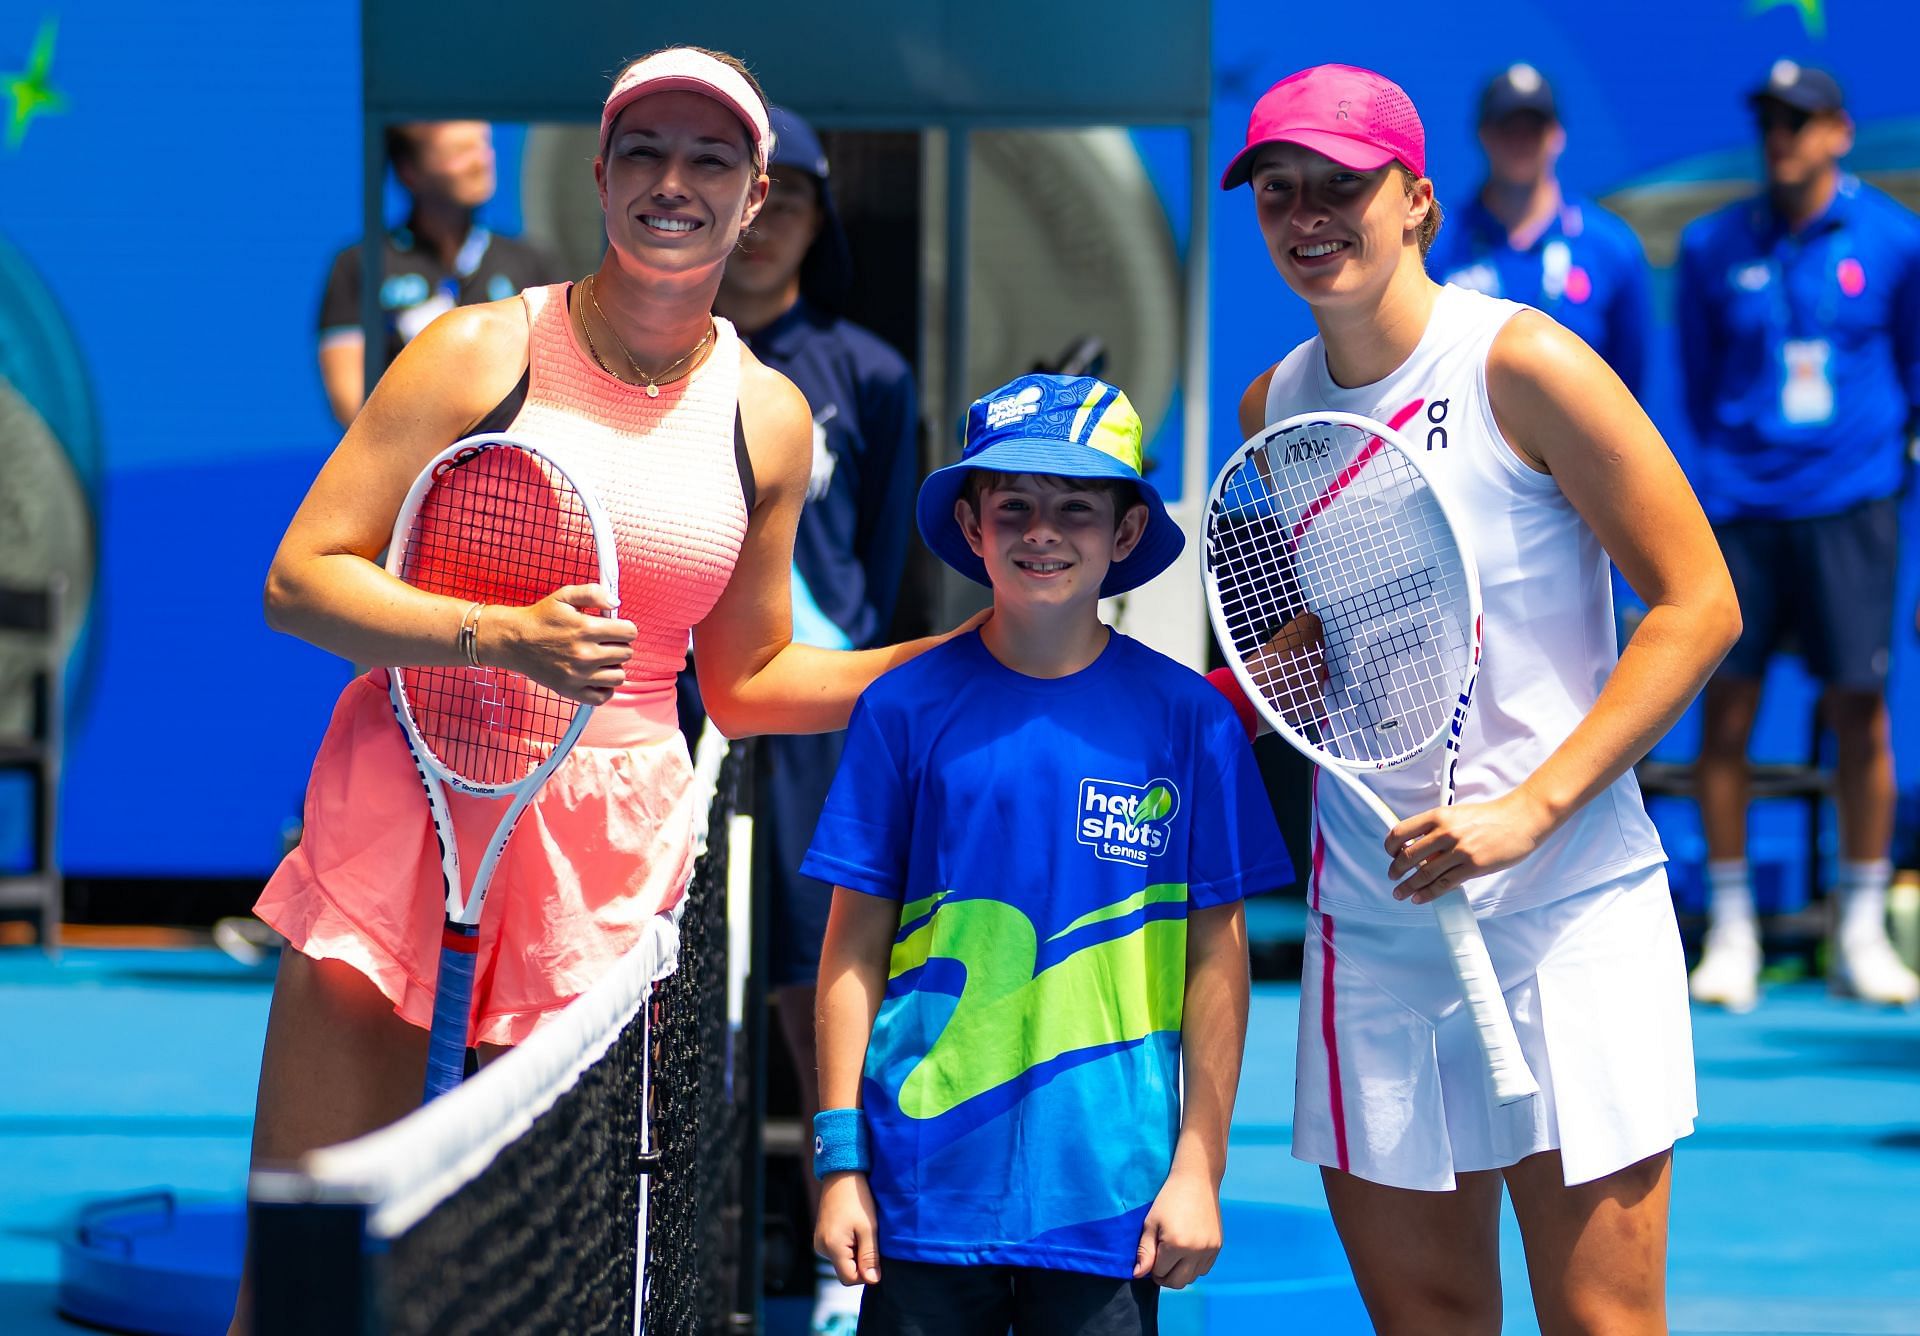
(580, 1183)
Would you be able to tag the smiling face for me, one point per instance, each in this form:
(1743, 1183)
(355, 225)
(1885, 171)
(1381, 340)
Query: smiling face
(1335, 233)
(677, 181)
(1047, 542)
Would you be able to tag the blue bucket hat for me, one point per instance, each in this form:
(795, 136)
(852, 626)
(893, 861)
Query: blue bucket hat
(826, 274)
(1066, 426)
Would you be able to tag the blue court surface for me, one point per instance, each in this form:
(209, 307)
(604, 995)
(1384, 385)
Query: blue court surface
(1796, 1204)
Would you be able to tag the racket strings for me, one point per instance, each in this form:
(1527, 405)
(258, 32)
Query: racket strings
(1326, 519)
(496, 527)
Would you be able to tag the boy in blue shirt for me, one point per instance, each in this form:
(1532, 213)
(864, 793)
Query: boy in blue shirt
(1039, 838)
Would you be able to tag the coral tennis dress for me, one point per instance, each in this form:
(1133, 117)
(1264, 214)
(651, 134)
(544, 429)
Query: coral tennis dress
(608, 841)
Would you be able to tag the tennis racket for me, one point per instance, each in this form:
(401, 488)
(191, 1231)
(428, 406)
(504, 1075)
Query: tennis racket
(490, 520)
(1348, 606)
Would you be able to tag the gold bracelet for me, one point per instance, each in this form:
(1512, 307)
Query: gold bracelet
(467, 640)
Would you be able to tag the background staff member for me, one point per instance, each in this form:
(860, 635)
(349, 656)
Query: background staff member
(1799, 318)
(1521, 238)
(439, 259)
(782, 289)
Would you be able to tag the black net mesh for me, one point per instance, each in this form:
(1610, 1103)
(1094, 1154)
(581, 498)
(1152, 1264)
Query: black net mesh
(694, 1211)
(543, 1239)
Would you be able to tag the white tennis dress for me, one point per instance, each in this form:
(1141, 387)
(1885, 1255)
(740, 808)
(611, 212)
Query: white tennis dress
(1581, 933)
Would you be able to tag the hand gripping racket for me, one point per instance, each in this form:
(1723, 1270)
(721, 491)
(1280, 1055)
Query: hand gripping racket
(1348, 607)
(490, 520)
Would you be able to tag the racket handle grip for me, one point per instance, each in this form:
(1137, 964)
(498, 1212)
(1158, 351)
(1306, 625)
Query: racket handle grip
(452, 1000)
(1508, 1075)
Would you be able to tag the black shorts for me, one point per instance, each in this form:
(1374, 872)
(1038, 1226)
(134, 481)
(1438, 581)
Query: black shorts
(932, 1299)
(1821, 588)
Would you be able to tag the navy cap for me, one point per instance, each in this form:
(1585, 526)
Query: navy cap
(1800, 86)
(1061, 426)
(827, 272)
(1517, 88)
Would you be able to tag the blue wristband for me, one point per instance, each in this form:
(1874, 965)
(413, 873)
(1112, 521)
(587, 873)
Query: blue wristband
(840, 1142)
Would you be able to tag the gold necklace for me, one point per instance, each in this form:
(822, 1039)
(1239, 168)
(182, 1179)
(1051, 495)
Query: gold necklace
(652, 387)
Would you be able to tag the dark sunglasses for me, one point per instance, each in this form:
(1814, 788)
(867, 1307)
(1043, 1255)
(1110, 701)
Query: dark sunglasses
(1791, 119)
(1519, 123)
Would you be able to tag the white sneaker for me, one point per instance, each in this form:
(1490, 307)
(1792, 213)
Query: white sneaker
(1866, 966)
(836, 1307)
(1728, 974)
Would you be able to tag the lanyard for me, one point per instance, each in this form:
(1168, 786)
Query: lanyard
(1788, 254)
(467, 262)
(1787, 251)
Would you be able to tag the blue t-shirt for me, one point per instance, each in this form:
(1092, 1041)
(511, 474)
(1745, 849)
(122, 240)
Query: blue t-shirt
(1802, 354)
(1586, 270)
(1046, 839)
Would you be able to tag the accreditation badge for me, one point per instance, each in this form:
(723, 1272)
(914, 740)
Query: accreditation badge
(1806, 387)
(1556, 262)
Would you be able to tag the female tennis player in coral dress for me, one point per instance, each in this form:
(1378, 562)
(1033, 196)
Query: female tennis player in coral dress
(701, 456)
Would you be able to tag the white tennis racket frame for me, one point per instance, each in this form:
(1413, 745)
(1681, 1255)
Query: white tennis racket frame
(433, 775)
(464, 906)
(1509, 1078)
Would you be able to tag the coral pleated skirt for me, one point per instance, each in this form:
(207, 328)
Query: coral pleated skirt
(606, 844)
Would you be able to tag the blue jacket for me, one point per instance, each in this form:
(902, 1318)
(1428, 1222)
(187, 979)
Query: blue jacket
(851, 549)
(1586, 270)
(1837, 305)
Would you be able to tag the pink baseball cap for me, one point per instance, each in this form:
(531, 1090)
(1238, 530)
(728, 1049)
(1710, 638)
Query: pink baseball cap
(683, 69)
(1358, 118)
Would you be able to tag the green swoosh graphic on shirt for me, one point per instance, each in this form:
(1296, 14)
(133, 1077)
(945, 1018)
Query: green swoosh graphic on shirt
(1172, 892)
(913, 909)
(1010, 1020)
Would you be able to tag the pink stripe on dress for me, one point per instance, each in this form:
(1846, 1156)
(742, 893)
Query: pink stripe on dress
(1335, 1101)
(1328, 1037)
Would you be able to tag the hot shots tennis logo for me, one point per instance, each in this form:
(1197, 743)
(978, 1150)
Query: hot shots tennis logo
(1126, 823)
(1013, 407)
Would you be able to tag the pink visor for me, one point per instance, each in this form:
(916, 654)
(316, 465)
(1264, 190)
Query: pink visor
(1357, 118)
(682, 69)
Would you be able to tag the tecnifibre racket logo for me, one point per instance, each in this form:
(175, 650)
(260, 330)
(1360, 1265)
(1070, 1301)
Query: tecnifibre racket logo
(1126, 823)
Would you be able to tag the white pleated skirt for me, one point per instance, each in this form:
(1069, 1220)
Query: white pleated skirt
(1390, 1082)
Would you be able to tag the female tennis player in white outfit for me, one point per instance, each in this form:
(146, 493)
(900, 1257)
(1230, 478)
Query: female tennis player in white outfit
(1552, 467)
